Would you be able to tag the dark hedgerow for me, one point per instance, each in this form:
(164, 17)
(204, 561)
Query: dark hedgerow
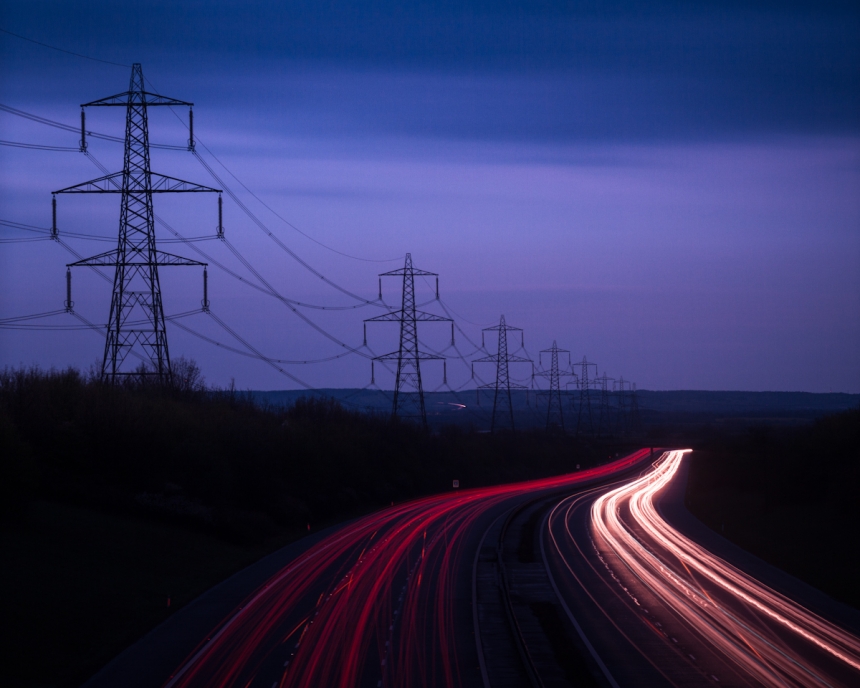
(215, 459)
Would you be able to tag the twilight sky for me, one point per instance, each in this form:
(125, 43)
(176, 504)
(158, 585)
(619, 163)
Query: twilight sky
(672, 191)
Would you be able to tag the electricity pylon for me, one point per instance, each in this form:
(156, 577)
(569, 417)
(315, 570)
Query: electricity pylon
(408, 389)
(136, 325)
(584, 416)
(604, 414)
(635, 419)
(623, 389)
(554, 413)
(503, 407)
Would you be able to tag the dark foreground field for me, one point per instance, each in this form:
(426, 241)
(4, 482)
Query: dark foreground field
(115, 499)
(788, 495)
(121, 504)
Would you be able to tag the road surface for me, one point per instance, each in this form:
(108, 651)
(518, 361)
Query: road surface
(384, 601)
(663, 610)
(573, 580)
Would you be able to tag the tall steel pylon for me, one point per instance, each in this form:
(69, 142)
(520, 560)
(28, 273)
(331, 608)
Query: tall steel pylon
(408, 389)
(584, 416)
(503, 407)
(136, 326)
(554, 413)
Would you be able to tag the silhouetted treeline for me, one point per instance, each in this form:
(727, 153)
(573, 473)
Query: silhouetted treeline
(818, 463)
(216, 460)
(788, 495)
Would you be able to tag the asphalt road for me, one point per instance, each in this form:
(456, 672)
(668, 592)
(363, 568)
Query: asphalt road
(574, 580)
(661, 610)
(386, 600)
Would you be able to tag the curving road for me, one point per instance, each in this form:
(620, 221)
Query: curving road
(673, 613)
(384, 601)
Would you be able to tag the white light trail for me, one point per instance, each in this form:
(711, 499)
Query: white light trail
(671, 566)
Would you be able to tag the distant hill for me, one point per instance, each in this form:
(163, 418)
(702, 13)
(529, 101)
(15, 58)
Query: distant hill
(742, 403)
(656, 408)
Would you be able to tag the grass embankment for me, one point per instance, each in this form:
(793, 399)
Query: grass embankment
(115, 497)
(790, 497)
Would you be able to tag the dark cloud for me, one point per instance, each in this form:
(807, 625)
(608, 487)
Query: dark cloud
(531, 69)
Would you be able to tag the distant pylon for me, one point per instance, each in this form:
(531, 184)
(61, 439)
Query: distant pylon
(635, 419)
(622, 391)
(554, 413)
(408, 389)
(136, 326)
(604, 414)
(503, 407)
(584, 415)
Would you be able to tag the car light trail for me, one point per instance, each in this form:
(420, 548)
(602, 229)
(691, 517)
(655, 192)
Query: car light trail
(765, 634)
(372, 604)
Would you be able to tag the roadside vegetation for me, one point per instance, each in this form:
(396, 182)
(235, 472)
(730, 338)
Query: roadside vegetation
(789, 496)
(117, 500)
(121, 503)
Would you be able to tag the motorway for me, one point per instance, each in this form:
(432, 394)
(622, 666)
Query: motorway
(662, 610)
(384, 601)
(573, 580)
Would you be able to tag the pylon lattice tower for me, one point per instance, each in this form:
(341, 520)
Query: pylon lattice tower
(584, 415)
(635, 418)
(623, 390)
(136, 326)
(408, 388)
(554, 412)
(604, 413)
(503, 407)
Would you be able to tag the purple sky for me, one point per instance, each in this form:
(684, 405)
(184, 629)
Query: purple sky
(673, 195)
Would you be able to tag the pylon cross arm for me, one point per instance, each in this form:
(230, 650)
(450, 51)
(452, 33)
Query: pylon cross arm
(511, 385)
(110, 183)
(493, 358)
(400, 272)
(395, 355)
(395, 316)
(161, 183)
(519, 359)
(112, 258)
(136, 98)
(549, 373)
(421, 316)
(498, 328)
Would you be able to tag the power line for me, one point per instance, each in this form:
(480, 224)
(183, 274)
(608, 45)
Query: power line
(24, 240)
(267, 289)
(37, 146)
(34, 316)
(266, 205)
(77, 130)
(117, 139)
(61, 50)
(287, 222)
(234, 350)
(4, 324)
(93, 237)
(261, 225)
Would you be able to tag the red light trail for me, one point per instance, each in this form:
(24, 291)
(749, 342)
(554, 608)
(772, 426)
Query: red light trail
(372, 604)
